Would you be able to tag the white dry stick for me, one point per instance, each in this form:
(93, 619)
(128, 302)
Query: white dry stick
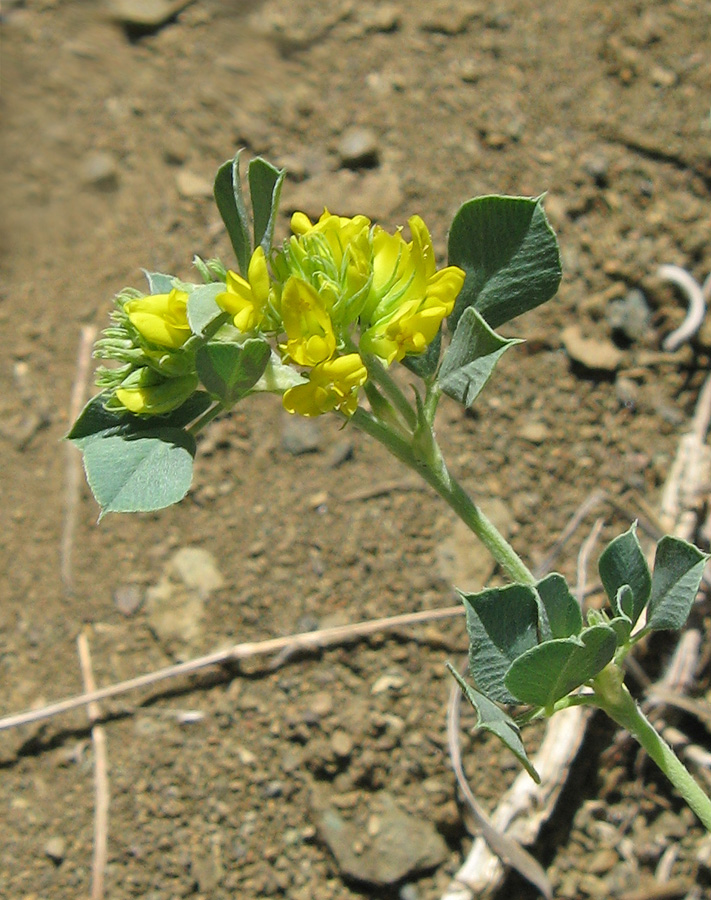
(73, 470)
(697, 297)
(101, 776)
(583, 557)
(525, 806)
(689, 473)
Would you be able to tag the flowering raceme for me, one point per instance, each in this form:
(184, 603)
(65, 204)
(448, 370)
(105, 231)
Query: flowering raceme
(339, 290)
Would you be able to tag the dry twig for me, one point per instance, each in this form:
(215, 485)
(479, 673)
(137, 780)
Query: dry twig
(306, 641)
(73, 466)
(101, 775)
(505, 847)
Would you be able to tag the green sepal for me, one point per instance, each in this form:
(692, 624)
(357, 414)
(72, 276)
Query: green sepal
(550, 671)
(502, 623)
(493, 719)
(158, 283)
(509, 254)
(230, 203)
(471, 358)
(559, 612)
(265, 183)
(678, 570)
(621, 563)
(230, 370)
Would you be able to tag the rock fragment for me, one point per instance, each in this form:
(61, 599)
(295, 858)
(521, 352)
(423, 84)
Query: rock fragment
(100, 170)
(394, 845)
(146, 15)
(592, 354)
(192, 186)
(56, 849)
(358, 148)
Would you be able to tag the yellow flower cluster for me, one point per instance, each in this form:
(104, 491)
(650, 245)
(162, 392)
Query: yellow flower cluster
(339, 290)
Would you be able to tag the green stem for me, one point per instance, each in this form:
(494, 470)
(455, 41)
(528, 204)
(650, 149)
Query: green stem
(212, 413)
(612, 697)
(380, 375)
(435, 473)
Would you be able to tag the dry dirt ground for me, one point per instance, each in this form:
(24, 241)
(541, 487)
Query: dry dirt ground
(110, 139)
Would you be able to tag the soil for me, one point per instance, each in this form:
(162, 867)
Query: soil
(111, 136)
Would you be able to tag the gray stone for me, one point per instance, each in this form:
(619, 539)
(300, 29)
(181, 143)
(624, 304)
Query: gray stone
(128, 598)
(395, 846)
(630, 316)
(358, 148)
(299, 434)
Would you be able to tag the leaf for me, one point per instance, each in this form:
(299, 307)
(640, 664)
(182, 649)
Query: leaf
(229, 371)
(502, 624)
(622, 562)
(93, 420)
(493, 719)
(265, 183)
(560, 610)
(203, 311)
(552, 670)
(158, 283)
(471, 358)
(678, 570)
(230, 203)
(139, 472)
(425, 364)
(510, 255)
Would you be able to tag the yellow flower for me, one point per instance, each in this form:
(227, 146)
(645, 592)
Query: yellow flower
(309, 332)
(332, 385)
(246, 300)
(161, 319)
(409, 330)
(408, 298)
(145, 393)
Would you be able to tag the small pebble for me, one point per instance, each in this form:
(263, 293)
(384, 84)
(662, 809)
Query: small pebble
(299, 435)
(56, 849)
(128, 598)
(601, 356)
(535, 432)
(100, 170)
(341, 744)
(358, 148)
(630, 316)
(192, 186)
